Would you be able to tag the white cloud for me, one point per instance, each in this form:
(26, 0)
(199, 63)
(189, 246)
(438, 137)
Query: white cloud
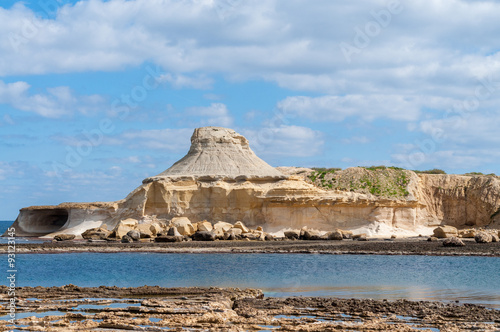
(182, 81)
(287, 141)
(173, 140)
(337, 108)
(216, 114)
(57, 102)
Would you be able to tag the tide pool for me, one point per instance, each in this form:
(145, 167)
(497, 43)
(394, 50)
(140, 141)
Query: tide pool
(464, 279)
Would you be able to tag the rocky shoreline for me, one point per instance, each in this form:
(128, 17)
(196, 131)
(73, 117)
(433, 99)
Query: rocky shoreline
(408, 246)
(152, 308)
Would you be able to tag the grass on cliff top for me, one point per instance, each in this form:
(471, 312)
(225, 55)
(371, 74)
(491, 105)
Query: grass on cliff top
(391, 182)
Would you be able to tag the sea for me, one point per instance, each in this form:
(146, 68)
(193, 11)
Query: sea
(461, 279)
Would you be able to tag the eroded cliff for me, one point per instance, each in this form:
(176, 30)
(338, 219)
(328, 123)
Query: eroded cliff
(221, 179)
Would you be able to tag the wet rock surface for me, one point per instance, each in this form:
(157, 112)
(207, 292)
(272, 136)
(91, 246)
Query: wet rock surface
(413, 246)
(152, 308)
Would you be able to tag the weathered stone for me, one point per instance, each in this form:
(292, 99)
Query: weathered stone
(292, 234)
(204, 226)
(145, 228)
(172, 231)
(311, 234)
(432, 239)
(168, 238)
(127, 239)
(204, 236)
(453, 242)
(360, 237)
(268, 237)
(222, 226)
(124, 226)
(483, 237)
(259, 228)
(495, 238)
(241, 226)
(64, 237)
(335, 236)
(346, 234)
(99, 233)
(443, 232)
(183, 225)
(134, 235)
(467, 233)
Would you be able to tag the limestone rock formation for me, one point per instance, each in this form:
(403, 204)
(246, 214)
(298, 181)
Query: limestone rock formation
(222, 180)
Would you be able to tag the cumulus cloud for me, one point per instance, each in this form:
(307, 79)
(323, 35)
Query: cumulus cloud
(57, 102)
(216, 114)
(337, 108)
(284, 140)
(179, 81)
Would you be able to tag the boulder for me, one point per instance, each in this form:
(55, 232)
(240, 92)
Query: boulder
(495, 238)
(241, 226)
(64, 237)
(268, 237)
(453, 242)
(204, 226)
(204, 236)
(467, 233)
(346, 234)
(222, 227)
(183, 225)
(360, 237)
(260, 229)
(145, 228)
(292, 234)
(127, 239)
(483, 237)
(168, 238)
(335, 236)
(156, 229)
(254, 236)
(172, 231)
(311, 234)
(124, 226)
(134, 235)
(99, 233)
(232, 234)
(432, 239)
(442, 232)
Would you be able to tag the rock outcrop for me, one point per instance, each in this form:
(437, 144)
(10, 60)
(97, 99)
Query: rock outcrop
(222, 180)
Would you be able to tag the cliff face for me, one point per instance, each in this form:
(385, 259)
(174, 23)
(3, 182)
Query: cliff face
(222, 179)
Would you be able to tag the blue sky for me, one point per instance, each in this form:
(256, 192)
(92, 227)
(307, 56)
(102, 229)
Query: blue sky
(97, 95)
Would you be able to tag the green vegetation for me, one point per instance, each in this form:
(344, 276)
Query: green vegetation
(473, 173)
(376, 180)
(432, 171)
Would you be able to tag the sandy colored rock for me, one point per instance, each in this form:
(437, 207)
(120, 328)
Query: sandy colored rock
(64, 237)
(183, 225)
(204, 226)
(335, 235)
(241, 226)
(453, 242)
(467, 233)
(483, 237)
(146, 228)
(220, 178)
(222, 226)
(442, 232)
(172, 231)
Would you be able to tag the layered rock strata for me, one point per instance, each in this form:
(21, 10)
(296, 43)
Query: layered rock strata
(221, 179)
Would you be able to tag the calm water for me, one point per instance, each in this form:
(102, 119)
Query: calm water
(467, 279)
(4, 224)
